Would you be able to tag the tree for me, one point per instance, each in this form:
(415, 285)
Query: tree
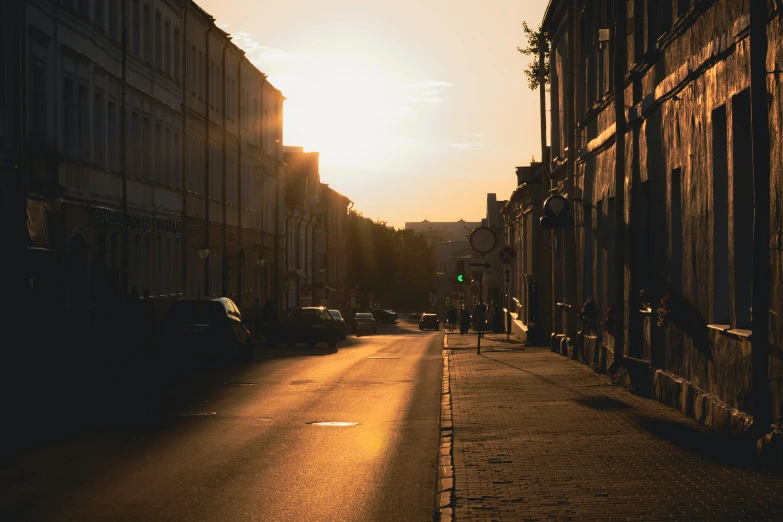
(536, 40)
(398, 266)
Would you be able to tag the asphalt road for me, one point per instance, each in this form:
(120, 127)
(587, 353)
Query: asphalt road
(240, 444)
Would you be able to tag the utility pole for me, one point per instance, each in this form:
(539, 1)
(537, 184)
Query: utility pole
(762, 416)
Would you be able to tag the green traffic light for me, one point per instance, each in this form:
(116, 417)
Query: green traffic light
(461, 278)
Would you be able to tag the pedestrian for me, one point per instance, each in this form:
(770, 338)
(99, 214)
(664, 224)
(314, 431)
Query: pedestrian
(480, 314)
(464, 320)
(451, 318)
(491, 317)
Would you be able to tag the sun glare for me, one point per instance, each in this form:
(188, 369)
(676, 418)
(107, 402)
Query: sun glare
(350, 107)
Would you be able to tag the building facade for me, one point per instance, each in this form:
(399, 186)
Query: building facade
(154, 159)
(658, 284)
(302, 196)
(330, 248)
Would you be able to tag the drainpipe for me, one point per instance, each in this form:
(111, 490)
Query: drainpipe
(123, 155)
(206, 150)
(619, 43)
(239, 176)
(569, 234)
(183, 146)
(224, 271)
(762, 415)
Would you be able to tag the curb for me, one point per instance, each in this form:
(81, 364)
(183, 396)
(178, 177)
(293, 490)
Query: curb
(445, 496)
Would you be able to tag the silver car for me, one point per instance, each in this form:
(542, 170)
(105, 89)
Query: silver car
(339, 318)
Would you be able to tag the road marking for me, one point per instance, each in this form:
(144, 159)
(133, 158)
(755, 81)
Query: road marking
(339, 424)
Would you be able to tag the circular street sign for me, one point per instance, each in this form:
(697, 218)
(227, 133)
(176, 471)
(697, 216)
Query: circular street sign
(507, 254)
(483, 240)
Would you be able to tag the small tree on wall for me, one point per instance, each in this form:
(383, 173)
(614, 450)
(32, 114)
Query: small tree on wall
(535, 41)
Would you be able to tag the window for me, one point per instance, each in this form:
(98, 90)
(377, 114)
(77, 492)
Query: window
(200, 75)
(682, 6)
(177, 155)
(113, 135)
(167, 47)
(175, 58)
(720, 218)
(99, 132)
(39, 121)
(135, 144)
(84, 124)
(148, 253)
(169, 157)
(113, 22)
(158, 40)
(742, 181)
(147, 140)
(211, 83)
(160, 175)
(100, 15)
(193, 70)
(136, 27)
(147, 28)
(70, 128)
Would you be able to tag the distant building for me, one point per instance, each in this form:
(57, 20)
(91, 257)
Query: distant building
(331, 248)
(302, 195)
(443, 231)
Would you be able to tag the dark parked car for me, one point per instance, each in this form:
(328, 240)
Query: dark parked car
(429, 321)
(311, 325)
(206, 328)
(339, 318)
(415, 316)
(364, 323)
(385, 316)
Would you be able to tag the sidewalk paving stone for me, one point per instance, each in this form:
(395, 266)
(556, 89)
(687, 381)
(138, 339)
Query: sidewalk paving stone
(537, 436)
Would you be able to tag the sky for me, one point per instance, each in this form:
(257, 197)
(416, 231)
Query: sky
(418, 108)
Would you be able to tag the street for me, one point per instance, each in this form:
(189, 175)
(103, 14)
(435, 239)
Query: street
(243, 443)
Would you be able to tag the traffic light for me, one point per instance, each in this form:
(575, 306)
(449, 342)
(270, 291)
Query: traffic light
(461, 271)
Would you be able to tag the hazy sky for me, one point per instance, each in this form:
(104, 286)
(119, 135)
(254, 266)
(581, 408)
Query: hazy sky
(419, 108)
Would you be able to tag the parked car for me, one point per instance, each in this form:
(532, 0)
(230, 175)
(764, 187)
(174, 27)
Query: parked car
(206, 328)
(310, 324)
(429, 321)
(364, 323)
(339, 318)
(415, 316)
(385, 316)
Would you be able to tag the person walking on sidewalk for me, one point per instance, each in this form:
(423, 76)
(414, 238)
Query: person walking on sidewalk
(480, 315)
(464, 320)
(451, 318)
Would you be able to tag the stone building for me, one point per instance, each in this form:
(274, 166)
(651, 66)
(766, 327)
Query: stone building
(302, 194)
(668, 174)
(123, 189)
(330, 249)
(529, 297)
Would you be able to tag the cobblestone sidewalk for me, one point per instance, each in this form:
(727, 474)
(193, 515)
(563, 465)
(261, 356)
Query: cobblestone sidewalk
(537, 436)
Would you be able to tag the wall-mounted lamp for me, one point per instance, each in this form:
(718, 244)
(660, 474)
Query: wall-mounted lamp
(300, 272)
(260, 262)
(203, 252)
(556, 215)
